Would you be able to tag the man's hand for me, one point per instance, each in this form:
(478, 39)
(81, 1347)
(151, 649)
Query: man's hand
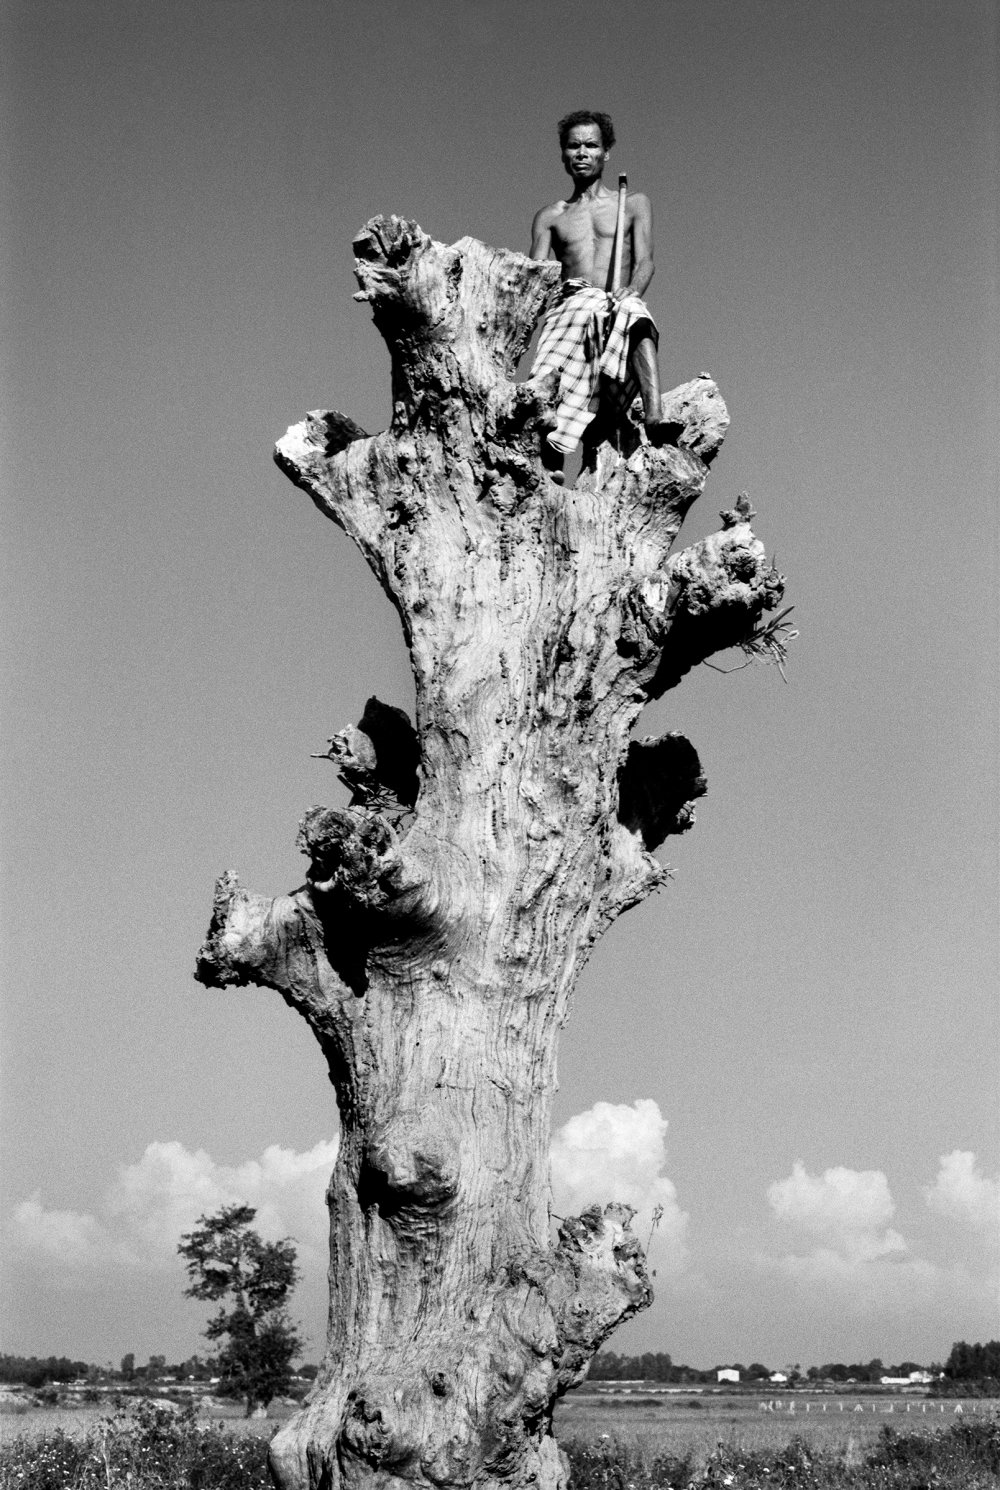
(622, 291)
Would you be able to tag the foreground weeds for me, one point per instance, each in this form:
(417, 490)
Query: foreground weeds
(965, 1456)
(155, 1449)
(152, 1448)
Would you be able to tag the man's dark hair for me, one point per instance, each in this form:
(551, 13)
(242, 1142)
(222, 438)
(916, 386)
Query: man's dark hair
(587, 116)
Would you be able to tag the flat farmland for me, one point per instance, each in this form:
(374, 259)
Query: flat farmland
(36, 1421)
(669, 1424)
(645, 1424)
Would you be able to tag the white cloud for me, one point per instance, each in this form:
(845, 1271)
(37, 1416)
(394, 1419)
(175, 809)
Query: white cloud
(961, 1193)
(151, 1203)
(856, 1279)
(69, 1238)
(847, 1211)
(617, 1152)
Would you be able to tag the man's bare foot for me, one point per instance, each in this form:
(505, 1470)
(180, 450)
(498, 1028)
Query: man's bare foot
(552, 460)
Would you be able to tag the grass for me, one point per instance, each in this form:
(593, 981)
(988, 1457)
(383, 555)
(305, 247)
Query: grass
(963, 1456)
(148, 1448)
(693, 1424)
(726, 1442)
(767, 642)
(723, 1444)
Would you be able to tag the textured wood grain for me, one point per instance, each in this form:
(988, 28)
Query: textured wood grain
(435, 944)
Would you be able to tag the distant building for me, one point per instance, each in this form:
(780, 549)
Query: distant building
(726, 1373)
(777, 1377)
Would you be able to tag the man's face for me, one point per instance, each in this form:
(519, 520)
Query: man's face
(583, 154)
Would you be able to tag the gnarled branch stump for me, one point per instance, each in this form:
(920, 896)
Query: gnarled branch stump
(449, 909)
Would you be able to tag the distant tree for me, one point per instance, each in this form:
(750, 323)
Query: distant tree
(651, 1366)
(655, 1367)
(33, 1372)
(227, 1260)
(128, 1365)
(973, 1362)
(609, 1366)
(757, 1371)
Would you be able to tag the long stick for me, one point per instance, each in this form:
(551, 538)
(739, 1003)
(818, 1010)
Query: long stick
(616, 267)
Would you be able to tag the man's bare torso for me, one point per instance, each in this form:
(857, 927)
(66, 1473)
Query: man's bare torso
(582, 237)
(580, 231)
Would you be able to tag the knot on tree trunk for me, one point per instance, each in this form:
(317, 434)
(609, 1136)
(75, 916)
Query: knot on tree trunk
(350, 857)
(600, 1281)
(364, 887)
(715, 594)
(234, 952)
(409, 1171)
(696, 417)
(657, 787)
(377, 759)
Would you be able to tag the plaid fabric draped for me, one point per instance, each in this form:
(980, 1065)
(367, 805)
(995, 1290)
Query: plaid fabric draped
(586, 340)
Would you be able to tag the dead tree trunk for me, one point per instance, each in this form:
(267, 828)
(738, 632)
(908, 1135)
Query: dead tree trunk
(448, 911)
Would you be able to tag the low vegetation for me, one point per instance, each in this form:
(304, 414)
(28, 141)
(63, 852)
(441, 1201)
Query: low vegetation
(150, 1448)
(154, 1448)
(965, 1456)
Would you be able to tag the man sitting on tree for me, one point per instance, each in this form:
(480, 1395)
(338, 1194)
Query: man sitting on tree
(599, 337)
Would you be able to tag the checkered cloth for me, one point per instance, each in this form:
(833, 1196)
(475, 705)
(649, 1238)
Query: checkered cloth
(586, 339)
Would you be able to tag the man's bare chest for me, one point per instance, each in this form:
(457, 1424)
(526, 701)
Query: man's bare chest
(581, 226)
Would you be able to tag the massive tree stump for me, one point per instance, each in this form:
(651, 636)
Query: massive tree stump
(448, 910)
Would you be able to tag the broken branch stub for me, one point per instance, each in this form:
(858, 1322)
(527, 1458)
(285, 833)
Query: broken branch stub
(449, 909)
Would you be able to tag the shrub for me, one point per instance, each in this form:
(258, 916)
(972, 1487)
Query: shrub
(945, 1456)
(965, 1456)
(611, 1464)
(152, 1448)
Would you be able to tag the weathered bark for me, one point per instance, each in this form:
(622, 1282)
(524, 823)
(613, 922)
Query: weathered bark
(447, 912)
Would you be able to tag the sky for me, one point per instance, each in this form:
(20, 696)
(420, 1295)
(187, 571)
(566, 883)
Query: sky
(793, 1048)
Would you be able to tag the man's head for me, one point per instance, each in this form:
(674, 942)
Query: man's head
(585, 140)
(587, 116)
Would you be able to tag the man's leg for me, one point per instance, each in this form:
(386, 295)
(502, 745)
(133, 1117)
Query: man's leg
(647, 375)
(552, 461)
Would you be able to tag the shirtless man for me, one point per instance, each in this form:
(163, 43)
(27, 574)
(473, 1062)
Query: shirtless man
(594, 333)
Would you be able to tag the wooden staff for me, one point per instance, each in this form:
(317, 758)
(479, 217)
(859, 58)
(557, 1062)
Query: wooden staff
(616, 266)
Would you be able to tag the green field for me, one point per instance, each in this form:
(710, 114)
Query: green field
(37, 1421)
(724, 1443)
(670, 1424)
(651, 1426)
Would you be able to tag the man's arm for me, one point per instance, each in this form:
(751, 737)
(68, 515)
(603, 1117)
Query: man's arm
(642, 247)
(541, 234)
